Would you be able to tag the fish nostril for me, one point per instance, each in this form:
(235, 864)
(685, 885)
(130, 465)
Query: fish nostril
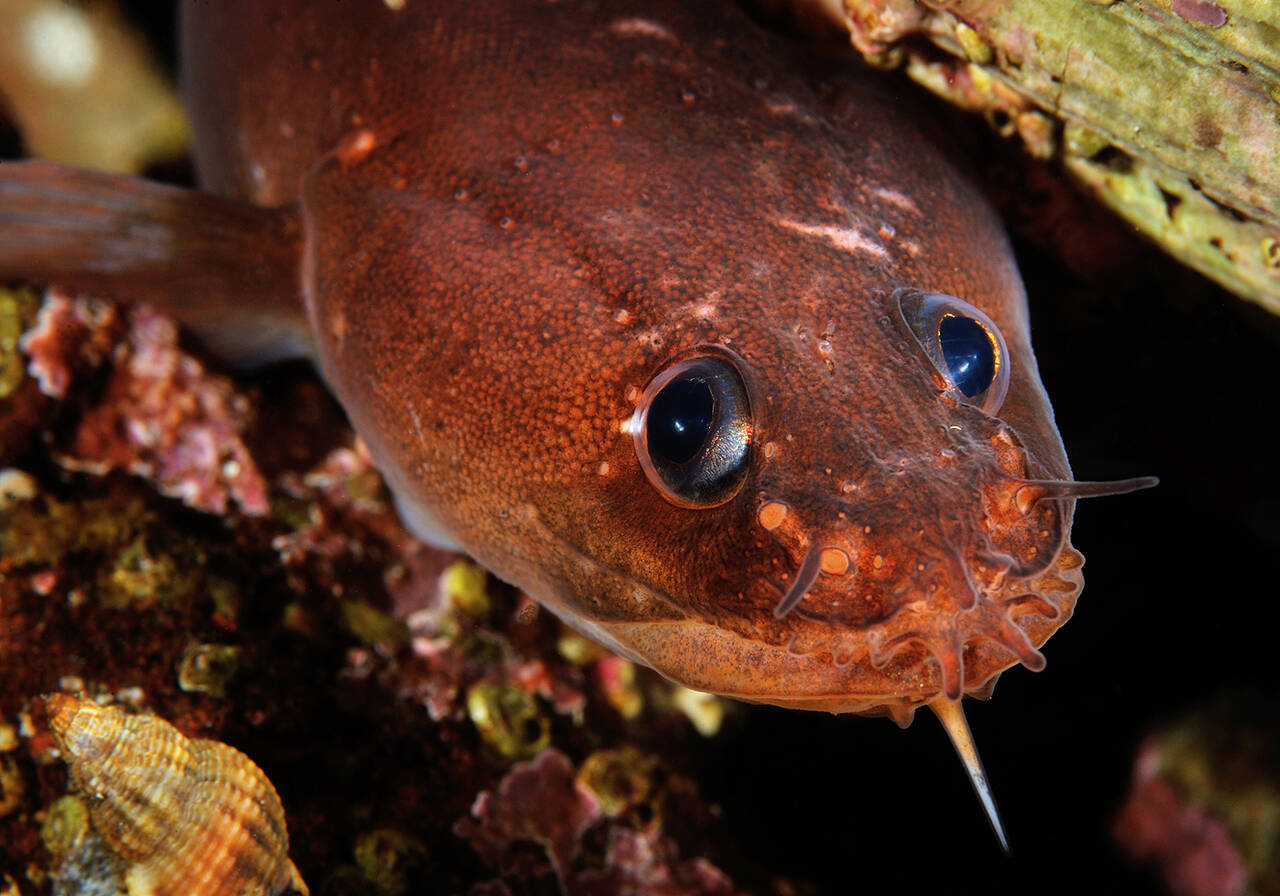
(771, 515)
(1025, 498)
(835, 562)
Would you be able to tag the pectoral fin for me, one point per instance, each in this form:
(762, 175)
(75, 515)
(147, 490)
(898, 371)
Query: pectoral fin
(227, 270)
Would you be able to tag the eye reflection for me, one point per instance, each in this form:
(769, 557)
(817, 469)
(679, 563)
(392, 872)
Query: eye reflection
(692, 431)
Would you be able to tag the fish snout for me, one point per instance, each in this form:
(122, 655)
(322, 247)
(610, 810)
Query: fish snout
(944, 579)
(1019, 530)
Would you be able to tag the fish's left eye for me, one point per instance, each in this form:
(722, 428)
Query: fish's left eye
(969, 352)
(692, 431)
(963, 343)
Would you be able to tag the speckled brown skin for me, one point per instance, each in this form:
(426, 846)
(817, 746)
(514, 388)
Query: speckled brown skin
(516, 214)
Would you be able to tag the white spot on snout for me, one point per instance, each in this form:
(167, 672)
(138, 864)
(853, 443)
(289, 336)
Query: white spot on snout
(845, 238)
(706, 307)
(394, 5)
(893, 197)
(640, 27)
(651, 338)
(61, 46)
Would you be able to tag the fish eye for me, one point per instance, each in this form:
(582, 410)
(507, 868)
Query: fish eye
(692, 431)
(963, 343)
(969, 352)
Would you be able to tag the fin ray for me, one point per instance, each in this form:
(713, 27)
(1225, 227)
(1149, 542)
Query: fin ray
(226, 269)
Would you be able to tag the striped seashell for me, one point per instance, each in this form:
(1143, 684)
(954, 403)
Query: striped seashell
(188, 816)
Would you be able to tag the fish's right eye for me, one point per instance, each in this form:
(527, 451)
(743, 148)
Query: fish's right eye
(692, 431)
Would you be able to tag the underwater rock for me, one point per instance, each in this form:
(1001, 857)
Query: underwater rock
(164, 416)
(1204, 808)
(1163, 111)
(188, 816)
(540, 802)
(600, 829)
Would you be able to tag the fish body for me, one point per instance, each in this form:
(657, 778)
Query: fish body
(725, 363)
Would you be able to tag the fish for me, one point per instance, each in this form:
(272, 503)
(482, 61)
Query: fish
(718, 354)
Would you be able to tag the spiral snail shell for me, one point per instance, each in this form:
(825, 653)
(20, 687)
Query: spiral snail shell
(188, 816)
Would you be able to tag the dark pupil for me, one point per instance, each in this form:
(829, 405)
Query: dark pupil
(966, 347)
(679, 419)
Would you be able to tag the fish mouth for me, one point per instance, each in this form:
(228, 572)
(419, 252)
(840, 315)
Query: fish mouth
(954, 610)
(938, 645)
(948, 642)
(890, 668)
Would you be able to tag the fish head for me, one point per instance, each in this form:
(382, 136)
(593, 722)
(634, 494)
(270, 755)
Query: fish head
(742, 388)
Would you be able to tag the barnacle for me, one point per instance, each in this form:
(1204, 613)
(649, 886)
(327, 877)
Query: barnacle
(508, 719)
(84, 864)
(187, 816)
(622, 780)
(17, 311)
(464, 583)
(372, 626)
(11, 785)
(208, 668)
(142, 560)
(66, 824)
(387, 857)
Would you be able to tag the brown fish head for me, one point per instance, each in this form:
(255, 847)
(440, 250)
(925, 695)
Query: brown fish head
(763, 490)
(844, 529)
(507, 304)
